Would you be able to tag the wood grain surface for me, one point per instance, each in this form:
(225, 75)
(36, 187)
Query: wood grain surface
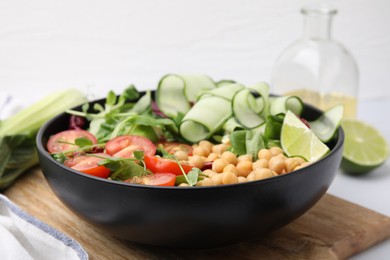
(332, 229)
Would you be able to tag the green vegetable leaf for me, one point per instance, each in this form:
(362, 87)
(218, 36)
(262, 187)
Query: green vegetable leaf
(254, 141)
(273, 126)
(59, 157)
(139, 155)
(110, 99)
(130, 93)
(237, 140)
(17, 133)
(83, 142)
(193, 175)
(247, 141)
(123, 169)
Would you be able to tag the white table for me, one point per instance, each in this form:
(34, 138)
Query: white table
(373, 190)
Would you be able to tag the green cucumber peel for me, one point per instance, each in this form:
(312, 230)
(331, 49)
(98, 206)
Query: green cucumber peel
(250, 104)
(281, 104)
(175, 93)
(205, 118)
(325, 127)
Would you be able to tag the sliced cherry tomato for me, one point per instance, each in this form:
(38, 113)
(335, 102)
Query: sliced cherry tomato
(172, 147)
(157, 179)
(161, 179)
(157, 164)
(60, 141)
(89, 165)
(124, 146)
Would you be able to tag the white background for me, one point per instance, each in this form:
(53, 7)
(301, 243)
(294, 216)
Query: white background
(100, 45)
(97, 45)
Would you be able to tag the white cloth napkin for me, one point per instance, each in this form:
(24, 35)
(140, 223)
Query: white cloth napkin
(23, 237)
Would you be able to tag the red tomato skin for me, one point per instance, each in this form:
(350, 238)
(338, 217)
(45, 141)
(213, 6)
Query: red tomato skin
(89, 165)
(157, 179)
(162, 179)
(99, 171)
(54, 146)
(158, 164)
(124, 146)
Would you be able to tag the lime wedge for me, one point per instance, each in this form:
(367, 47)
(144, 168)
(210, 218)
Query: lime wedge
(364, 147)
(298, 140)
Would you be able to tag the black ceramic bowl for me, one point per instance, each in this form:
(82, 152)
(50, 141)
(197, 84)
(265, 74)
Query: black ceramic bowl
(197, 217)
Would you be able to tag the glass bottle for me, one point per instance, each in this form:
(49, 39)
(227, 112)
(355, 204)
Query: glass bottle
(316, 68)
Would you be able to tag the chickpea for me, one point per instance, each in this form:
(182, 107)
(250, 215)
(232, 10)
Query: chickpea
(206, 144)
(230, 168)
(291, 164)
(276, 164)
(264, 154)
(181, 155)
(184, 185)
(244, 168)
(209, 173)
(230, 157)
(241, 179)
(220, 148)
(300, 160)
(217, 179)
(244, 157)
(201, 151)
(275, 150)
(207, 182)
(260, 174)
(218, 165)
(229, 178)
(263, 173)
(302, 165)
(281, 155)
(212, 157)
(196, 161)
(260, 163)
(251, 176)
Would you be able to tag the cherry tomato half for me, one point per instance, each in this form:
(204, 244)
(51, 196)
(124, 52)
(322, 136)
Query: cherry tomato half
(89, 165)
(124, 146)
(172, 147)
(157, 179)
(60, 141)
(157, 164)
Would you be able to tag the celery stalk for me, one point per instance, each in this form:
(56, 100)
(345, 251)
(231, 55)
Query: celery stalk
(30, 119)
(17, 133)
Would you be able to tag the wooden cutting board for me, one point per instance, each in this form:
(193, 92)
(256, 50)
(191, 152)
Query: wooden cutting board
(332, 229)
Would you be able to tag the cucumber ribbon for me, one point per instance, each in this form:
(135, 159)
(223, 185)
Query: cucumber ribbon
(209, 107)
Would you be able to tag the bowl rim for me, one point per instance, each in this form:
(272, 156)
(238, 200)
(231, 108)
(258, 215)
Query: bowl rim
(43, 152)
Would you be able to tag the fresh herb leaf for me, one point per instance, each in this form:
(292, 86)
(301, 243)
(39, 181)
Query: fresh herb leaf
(110, 99)
(59, 157)
(83, 142)
(247, 141)
(254, 141)
(123, 169)
(182, 179)
(193, 175)
(273, 126)
(139, 154)
(237, 140)
(130, 93)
